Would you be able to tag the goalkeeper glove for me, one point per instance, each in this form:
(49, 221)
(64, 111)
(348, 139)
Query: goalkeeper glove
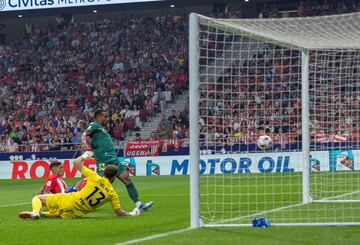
(87, 155)
(136, 212)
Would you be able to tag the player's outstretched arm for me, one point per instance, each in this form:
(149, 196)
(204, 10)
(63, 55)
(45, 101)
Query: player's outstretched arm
(120, 212)
(78, 162)
(41, 191)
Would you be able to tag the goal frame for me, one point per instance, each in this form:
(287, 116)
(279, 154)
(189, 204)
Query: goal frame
(194, 83)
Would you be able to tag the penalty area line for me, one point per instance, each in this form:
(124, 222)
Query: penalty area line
(154, 236)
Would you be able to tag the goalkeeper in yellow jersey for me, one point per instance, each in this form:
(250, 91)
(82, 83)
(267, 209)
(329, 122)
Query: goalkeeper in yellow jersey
(96, 192)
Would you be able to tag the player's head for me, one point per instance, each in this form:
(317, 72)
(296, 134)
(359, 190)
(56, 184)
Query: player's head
(101, 116)
(110, 172)
(57, 169)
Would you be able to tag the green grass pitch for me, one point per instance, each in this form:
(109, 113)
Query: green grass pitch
(170, 213)
(236, 198)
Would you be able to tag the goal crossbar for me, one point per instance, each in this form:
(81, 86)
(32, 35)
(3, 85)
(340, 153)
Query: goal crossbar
(297, 33)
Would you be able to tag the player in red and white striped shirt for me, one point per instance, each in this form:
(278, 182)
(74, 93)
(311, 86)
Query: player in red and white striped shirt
(55, 183)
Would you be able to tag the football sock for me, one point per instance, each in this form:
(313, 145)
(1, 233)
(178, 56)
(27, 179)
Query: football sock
(133, 194)
(36, 204)
(48, 214)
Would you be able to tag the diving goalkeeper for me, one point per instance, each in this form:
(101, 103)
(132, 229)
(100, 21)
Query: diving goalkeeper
(97, 191)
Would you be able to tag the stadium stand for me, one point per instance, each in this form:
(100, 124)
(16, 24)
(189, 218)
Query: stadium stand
(47, 99)
(52, 80)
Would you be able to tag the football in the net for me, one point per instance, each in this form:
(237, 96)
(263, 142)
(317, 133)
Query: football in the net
(264, 142)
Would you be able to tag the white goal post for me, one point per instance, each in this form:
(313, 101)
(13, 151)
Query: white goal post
(294, 79)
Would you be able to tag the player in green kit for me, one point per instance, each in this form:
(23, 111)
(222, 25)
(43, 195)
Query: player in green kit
(104, 154)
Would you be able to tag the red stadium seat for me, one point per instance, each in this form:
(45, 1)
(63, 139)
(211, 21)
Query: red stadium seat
(143, 115)
(117, 132)
(129, 124)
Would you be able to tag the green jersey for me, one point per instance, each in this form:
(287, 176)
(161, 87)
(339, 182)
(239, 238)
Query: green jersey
(101, 144)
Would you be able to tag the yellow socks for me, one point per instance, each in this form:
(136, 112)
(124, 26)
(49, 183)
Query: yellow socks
(48, 214)
(36, 204)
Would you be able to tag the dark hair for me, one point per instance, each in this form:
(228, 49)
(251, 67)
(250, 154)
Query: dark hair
(98, 112)
(55, 164)
(110, 171)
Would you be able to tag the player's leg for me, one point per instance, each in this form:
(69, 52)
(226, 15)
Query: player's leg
(130, 187)
(37, 203)
(59, 206)
(48, 214)
(53, 203)
(100, 168)
(77, 186)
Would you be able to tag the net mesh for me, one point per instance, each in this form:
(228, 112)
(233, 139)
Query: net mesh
(335, 126)
(325, 32)
(250, 85)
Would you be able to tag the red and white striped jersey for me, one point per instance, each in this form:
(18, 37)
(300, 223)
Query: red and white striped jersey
(55, 184)
(319, 136)
(338, 138)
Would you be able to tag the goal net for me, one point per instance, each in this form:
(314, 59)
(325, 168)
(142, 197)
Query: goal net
(296, 80)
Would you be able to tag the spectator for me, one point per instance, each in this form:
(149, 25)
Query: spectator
(12, 146)
(75, 138)
(137, 137)
(178, 132)
(180, 119)
(153, 136)
(55, 144)
(172, 118)
(163, 131)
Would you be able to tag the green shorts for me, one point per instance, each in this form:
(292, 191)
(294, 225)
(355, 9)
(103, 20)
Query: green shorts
(100, 168)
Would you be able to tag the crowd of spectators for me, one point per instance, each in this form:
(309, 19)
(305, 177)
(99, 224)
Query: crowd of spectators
(175, 126)
(311, 8)
(327, 7)
(53, 79)
(253, 97)
(262, 95)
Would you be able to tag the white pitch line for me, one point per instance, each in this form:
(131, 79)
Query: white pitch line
(154, 236)
(261, 213)
(14, 204)
(171, 195)
(279, 209)
(146, 196)
(334, 197)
